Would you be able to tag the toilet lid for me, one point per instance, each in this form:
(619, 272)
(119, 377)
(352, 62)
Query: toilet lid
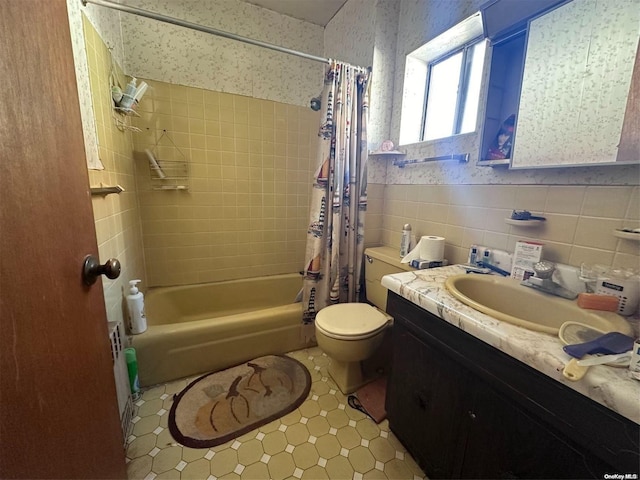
(351, 319)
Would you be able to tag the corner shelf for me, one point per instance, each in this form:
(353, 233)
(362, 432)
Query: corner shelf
(627, 235)
(390, 153)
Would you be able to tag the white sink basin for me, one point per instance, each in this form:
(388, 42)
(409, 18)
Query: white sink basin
(506, 300)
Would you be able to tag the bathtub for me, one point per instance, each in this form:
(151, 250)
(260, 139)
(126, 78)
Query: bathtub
(202, 328)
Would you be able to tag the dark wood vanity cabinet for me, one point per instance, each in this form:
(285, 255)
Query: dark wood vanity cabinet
(466, 410)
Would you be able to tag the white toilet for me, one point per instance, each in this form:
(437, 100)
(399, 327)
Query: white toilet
(350, 333)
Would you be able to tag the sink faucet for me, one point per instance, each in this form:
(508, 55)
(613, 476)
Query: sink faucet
(542, 281)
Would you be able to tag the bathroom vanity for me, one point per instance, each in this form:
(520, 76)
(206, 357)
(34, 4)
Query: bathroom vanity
(472, 397)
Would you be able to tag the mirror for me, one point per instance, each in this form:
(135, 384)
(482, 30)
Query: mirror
(580, 79)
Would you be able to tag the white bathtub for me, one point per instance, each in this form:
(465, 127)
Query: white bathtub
(202, 328)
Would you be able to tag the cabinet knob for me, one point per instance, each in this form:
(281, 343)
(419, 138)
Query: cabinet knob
(472, 415)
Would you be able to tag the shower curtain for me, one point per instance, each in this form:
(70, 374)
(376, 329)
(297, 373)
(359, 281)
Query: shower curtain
(335, 236)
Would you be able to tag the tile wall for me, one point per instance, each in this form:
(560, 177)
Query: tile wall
(579, 225)
(245, 213)
(117, 217)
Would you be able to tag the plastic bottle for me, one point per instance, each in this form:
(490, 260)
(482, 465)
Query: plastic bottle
(129, 94)
(135, 305)
(132, 369)
(405, 241)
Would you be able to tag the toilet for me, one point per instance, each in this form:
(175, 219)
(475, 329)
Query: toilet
(350, 333)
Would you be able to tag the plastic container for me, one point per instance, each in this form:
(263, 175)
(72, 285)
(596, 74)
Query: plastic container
(132, 368)
(135, 306)
(129, 94)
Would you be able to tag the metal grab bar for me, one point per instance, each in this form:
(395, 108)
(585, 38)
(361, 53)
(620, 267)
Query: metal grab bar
(462, 158)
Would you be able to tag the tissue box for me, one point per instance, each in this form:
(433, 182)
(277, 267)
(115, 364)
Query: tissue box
(525, 256)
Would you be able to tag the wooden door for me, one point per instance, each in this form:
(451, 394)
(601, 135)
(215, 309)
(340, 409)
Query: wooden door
(58, 408)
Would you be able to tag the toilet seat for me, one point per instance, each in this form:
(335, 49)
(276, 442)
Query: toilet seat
(351, 321)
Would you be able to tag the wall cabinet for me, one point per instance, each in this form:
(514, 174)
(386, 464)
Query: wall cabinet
(577, 77)
(466, 410)
(569, 79)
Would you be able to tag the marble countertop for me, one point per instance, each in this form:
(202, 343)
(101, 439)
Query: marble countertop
(606, 385)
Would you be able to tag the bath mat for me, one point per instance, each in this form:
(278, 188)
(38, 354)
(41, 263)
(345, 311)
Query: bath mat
(220, 406)
(370, 399)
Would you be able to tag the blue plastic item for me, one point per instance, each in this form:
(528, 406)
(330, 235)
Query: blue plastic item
(609, 343)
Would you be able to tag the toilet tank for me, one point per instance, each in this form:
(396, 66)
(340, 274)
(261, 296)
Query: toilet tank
(381, 261)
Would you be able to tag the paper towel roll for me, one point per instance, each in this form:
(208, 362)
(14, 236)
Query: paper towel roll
(432, 248)
(428, 245)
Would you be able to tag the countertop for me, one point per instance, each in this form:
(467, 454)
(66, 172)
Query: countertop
(606, 385)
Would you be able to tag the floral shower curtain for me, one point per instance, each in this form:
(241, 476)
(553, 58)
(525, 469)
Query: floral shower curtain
(335, 237)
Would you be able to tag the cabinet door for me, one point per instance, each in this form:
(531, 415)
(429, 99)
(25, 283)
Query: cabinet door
(503, 441)
(426, 396)
(577, 77)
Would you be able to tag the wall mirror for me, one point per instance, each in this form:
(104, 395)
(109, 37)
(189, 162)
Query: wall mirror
(580, 85)
(566, 90)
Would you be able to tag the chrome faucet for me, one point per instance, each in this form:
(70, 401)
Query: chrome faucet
(542, 281)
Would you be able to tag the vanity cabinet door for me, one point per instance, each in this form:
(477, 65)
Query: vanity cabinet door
(504, 441)
(425, 403)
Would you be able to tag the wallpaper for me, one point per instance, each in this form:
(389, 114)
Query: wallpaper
(178, 55)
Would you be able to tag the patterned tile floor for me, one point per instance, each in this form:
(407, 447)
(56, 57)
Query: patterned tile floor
(323, 438)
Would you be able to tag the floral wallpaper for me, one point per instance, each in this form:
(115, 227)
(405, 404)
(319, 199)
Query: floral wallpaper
(178, 55)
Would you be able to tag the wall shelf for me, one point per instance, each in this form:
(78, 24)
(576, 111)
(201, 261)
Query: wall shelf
(390, 153)
(523, 223)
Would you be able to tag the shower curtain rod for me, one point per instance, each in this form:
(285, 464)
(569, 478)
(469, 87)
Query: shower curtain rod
(202, 28)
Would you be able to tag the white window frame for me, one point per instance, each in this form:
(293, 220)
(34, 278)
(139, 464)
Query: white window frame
(463, 90)
(417, 68)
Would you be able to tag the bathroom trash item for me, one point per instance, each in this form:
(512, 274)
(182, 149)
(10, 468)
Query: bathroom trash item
(609, 343)
(135, 306)
(132, 368)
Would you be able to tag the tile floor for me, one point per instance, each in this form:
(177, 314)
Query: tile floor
(323, 438)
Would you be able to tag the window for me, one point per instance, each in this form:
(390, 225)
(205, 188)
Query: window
(442, 84)
(453, 93)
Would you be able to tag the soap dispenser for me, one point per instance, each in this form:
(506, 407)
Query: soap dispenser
(135, 305)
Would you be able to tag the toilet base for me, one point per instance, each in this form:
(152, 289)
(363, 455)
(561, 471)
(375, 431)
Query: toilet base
(348, 376)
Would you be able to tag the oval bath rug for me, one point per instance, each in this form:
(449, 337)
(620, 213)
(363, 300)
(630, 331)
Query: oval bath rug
(220, 406)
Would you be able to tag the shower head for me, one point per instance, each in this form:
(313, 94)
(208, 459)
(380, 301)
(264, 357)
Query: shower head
(316, 103)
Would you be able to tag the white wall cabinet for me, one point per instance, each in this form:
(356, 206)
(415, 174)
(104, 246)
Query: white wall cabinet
(577, 77)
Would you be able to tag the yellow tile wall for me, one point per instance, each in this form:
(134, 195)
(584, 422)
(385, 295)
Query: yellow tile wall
(579, 225)
(250, 161)
(117, 218)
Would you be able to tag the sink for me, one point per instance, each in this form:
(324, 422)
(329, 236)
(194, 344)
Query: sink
(506, 300)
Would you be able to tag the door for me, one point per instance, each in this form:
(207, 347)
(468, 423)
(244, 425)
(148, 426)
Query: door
(426, 399)
(58, 408)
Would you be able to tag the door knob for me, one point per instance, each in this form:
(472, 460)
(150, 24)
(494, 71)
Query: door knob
(92, 269)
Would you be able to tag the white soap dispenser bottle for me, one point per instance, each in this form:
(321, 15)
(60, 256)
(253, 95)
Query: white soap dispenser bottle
(135, 305)
(129, 94)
